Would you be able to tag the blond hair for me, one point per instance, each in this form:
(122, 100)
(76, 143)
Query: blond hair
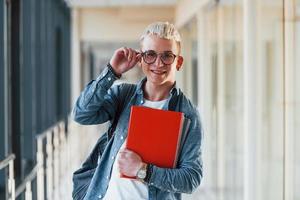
(163, 30)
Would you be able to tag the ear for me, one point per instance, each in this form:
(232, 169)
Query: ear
(179, 63)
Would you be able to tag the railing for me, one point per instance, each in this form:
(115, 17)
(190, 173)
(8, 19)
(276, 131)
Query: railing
(54, 152)
(58, 155)
(26, 184)
(56, 160)
(9, 161)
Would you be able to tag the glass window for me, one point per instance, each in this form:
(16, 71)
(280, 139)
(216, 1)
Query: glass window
(296, 117)
(188, 80)
(208, 82)
(230, 105)
(211, 69)
(270, 119)
(223, 62)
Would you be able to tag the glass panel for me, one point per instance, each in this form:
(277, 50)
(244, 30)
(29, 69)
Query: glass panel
(2, 96)
(270, 119)
(231, 57)
(194, 81)
(207, 79)
(224, 65)
(298, 9)
(189, 81)
(296, 127)
(211, 21)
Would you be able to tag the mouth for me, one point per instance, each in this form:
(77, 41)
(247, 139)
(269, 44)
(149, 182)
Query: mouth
(158, 72)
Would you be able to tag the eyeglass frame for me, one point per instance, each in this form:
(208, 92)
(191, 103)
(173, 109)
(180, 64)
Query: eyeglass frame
(160, 57)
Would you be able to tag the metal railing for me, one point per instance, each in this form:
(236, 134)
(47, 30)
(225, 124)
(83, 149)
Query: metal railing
(51, 147)
(9, 161)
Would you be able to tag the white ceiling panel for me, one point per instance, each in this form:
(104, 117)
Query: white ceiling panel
(113, 3)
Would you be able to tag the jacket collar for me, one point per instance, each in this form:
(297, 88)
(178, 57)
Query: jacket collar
(173, 91)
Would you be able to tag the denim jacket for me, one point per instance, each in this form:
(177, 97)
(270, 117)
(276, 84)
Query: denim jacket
(101, 102)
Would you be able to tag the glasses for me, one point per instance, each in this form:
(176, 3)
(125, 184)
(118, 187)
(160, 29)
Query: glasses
(166, 57)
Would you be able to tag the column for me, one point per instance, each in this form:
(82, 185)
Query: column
(250, 100)
(289, 107)
(75, 66)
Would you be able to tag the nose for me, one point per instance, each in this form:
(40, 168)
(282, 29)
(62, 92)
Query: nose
(158, 62)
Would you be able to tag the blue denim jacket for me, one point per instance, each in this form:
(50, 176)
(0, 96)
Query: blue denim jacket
(100, 102)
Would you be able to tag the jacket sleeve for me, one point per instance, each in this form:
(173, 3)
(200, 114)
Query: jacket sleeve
(98, 102)
(188, 174)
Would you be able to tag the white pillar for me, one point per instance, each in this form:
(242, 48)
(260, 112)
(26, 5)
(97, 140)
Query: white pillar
(28, 192)
(49, 166)
(207, 109)
(289, 88)
(75, 66)
(204, 99)
(221, 117)
(201, 58)
(40, 171)
(11, 181)
(187, 54)
(250, 100)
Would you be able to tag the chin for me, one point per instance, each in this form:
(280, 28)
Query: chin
(159, 81)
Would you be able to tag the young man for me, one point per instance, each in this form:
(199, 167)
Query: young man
(159, 59)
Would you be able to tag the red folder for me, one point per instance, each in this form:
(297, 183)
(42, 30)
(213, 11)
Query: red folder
(155, 135)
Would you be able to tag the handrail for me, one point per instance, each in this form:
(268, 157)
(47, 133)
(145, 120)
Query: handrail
(49, 160)
(6, 161)
(44, 134)
(29, 178)
(9, 161)
(48, 170)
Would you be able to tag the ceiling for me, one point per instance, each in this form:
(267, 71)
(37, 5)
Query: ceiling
(114, 3)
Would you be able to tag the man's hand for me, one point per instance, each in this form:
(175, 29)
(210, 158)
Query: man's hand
(124, 59)
(129, 162)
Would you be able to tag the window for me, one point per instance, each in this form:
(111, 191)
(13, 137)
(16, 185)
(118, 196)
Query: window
(296, 123)
(2, 97)
(271, 117)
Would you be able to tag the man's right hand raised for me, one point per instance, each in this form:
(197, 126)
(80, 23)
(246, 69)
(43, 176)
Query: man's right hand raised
(124, 59)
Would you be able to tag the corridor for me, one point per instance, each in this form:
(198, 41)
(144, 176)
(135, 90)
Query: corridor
(241, 70)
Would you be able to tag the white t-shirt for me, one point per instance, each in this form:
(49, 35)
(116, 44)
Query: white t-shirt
(126, 189)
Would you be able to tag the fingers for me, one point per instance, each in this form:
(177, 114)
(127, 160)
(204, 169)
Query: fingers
(124, 152)
(124, 59)
(131, 55)
(129, 155)
(136, 58)
(123, 160)
(128, 162)
(125, 52)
